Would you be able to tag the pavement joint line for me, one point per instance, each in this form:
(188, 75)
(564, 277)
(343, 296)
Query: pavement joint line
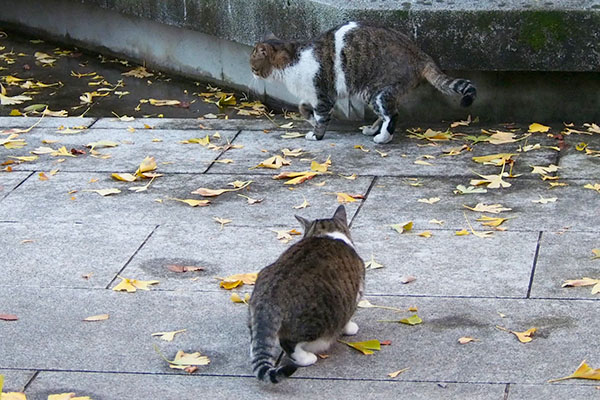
(374, 179)
(132, 256)
(17, 186)
(222, 152)
(30, 380)
(506, 391)
(535, 258)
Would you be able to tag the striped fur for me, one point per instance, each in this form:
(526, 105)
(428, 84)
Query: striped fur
(450, 86)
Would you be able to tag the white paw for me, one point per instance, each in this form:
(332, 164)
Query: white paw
(311, 136)
(383, 137)
(369, 130)
(303, 358)
(350, 329)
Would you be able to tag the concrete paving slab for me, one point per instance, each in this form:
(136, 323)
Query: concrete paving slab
(133, 147)
(564, 257)
(399, 159)
(15, 380)
(455, 267)
(447, 265)
(566, 391)
(131, 207)
(9, 180)
(102, 386)
(35, 254)
(46, 122)
(197, 124)
(52, 336)
(396, 197)
(576, 163)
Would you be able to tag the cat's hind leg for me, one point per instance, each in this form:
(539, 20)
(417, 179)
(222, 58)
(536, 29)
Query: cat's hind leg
(350, 329)
(384, 104)
(372, 130)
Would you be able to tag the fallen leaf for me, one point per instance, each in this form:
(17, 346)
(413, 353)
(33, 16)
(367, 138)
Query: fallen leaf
(126, 177)
(535, 127)
(431, 200)
(524, 337)
(412, 320)
(247, 278)
(492, 181)
(292, 135)
(537, 169)
(222, 221)
(237, 299)
(467, 339)
(596, 253)
(436, 221)
(543, 200)
(499, 137)
(494, 159)
(595, 186)
(193, 202)
(361, 148)
(296, 177)
(289, 125)
(488, 208)
(65, 396)
(168, 336)
(183, 268)
(292, 153)
(183, 360)
(304, 204)
(8, 317)
(421, 162)
(43, 176)
(205, 141)
(231, 284)
(396, 373)
(364, 303)
(131, 285)
(407, 279)
(139, 72)
(462, 232)
(101, 143)
(425, 234)
(343, 198)
(491, 221)
(461, 189)
(365, 347)
(162, 103)
(250, 200)
(402, 227)
(274, 162)
(285, 235)
(103, 192)
(94, 318)
(584, 282)
(148, 164)
(12, 395)
(584, 371)
(320, 167)
(372, 264)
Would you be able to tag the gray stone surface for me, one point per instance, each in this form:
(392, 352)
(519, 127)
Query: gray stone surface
(525, 214)
(132, 387)
(563, 391)
(46, 122)
(465, 285)
(34, 254)
(15, 380)
(216, 327)
(565, 256)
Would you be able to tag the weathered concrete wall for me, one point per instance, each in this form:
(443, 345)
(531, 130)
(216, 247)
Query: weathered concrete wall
(176, 36)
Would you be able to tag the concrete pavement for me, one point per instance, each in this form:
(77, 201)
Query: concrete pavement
(64, 246)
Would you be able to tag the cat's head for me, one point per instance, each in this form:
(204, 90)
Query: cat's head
(320, 227)
(270, 54)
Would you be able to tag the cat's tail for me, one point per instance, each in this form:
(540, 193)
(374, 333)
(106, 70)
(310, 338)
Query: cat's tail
(450, 86)
(264, 349)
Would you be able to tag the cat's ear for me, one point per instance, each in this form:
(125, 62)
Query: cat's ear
(271, 36)
(340, 215)
(305, 223)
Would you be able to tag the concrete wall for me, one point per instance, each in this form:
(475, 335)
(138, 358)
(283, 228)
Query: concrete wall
(174, 36)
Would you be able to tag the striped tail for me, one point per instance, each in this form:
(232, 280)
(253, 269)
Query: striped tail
(264, 349)
(450, 86)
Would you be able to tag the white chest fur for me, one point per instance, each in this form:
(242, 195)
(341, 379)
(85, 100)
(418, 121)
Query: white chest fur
(300, 77)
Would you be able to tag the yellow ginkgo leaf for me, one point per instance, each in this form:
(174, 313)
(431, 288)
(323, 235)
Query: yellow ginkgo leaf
(247, 278)
(426, 234)
(365, 347)
(14, 396)
(104, 192)
(147, 164)
(193, 202)
(402, 227)
(345, 198)
(467, 339)
(222, 221)
(304, 204)
(396, 373)
(412, 320)
(183, 360)
(431, 200)
(584, 371)
(236, 298)
(228, 285)
(168, 336)
(320, 167)
(361, 148)
(162, 103)
(292, 153)
(535, 127)
(94, 318)
(65, 396)
(488, 208)
(491, 221)
(124, 177)
(524, 337)
(372, 264)
(131, 285)
(205, 141)
(494, 159)
(62, 152)
(584, 282)
(274, 162)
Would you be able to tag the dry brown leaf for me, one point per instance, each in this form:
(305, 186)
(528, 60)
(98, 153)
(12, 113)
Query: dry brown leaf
(94, 318)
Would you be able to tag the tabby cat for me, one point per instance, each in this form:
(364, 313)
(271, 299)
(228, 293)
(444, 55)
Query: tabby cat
(377, 65)
(305, 299)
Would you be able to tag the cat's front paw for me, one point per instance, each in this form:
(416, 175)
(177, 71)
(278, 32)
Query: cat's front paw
(311, 136)
(383, 137)
(370, 130)
(350, 329)
(303, 358)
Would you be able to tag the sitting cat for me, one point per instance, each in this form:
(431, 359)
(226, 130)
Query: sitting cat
(306, 298)
(379, 65)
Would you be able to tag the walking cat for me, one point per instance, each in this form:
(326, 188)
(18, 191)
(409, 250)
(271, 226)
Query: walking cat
(378, 65)
(306, 298)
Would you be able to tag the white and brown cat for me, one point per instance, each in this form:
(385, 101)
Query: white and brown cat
(304, 300)
(378, 65)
